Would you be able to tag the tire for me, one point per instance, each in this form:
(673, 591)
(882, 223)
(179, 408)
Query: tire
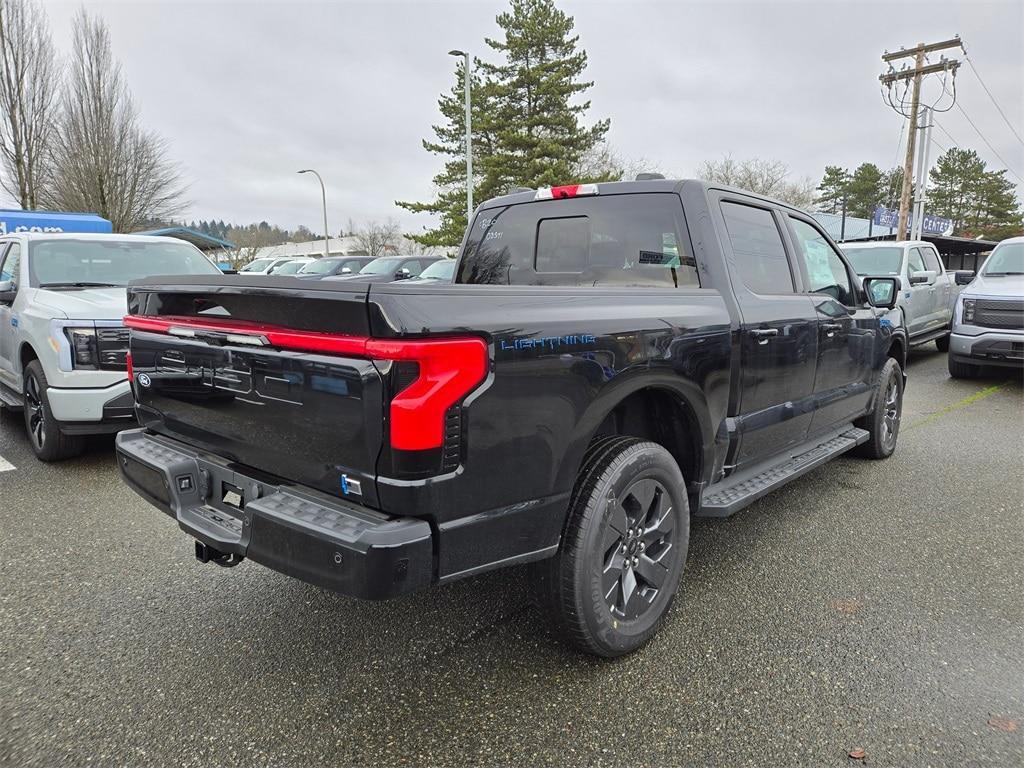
(44, 435)
(883, 423)
(623, 550)
(960, 370)
(943, 343)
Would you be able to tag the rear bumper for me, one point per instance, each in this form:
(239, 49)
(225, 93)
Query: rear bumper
(998, 348)
(298, 532)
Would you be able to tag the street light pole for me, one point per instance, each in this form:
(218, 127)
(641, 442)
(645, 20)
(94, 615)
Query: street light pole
(469, 132)
(323, 194)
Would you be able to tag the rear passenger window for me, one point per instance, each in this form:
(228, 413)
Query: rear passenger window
(616, 240)
(761, 261)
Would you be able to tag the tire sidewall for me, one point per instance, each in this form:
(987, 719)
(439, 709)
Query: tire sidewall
(890, 372)
(617, 636)
(51, 431)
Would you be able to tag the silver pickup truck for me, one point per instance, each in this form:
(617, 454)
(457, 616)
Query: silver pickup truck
(928, 292)
(63, 343)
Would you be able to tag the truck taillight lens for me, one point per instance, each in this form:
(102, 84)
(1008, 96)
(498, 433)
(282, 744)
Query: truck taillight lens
(449, 369)
(130, 367)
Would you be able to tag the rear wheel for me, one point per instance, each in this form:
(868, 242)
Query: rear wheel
(883, 423)
(44, 435)
(943, 343)
(623, 551)
(960, 370)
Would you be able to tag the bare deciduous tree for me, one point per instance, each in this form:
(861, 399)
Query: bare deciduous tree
(379, 239)
(104, 161)
(30, 76)
(763, 177)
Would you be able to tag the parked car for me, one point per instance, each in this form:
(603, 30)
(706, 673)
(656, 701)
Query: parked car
(989, 325)
(333, 265)
(263, 266)
(290, 267)
(594, 375)
(442, 270)
(385, 269)
(63, 343)
(928, 293)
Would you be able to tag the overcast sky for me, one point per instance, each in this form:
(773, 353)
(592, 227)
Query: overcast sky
(247, 93)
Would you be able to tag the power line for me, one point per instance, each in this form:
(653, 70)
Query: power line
(1009, 125)
(948, 134)
(988, 144)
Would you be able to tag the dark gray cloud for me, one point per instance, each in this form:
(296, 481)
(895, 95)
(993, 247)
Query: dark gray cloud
(247, 93)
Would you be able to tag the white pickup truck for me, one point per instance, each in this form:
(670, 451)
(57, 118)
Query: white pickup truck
(63, 343)
(928, 292)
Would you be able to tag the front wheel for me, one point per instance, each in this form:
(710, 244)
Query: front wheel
(883, 423)
(44, 435)
(942, 343)
(960, 370)
(623, 550)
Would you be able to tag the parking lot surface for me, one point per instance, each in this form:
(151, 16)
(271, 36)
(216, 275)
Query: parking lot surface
(871, 605)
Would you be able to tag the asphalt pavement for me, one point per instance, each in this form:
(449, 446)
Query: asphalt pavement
(869, 605)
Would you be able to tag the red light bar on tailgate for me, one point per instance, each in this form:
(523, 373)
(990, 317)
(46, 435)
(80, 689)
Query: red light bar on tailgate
(449, 368)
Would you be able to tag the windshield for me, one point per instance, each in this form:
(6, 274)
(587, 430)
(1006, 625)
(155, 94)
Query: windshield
(1006, 259)
(84, 263)
(257, 265)
(290, 267)
(381, 266)
(875, 261)
(330, 266)
(439, 270)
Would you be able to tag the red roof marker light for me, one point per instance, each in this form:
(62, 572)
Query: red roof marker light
(570, 190)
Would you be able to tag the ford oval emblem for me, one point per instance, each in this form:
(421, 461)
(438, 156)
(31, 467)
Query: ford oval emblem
(144, 380)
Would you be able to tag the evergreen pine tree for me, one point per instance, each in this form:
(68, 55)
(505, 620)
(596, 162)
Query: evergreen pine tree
(864, 191)
(450, 142)
(536, 115)
(527, 129)
(832, 188)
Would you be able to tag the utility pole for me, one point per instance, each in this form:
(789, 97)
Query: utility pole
(916, 74)
(922, 173)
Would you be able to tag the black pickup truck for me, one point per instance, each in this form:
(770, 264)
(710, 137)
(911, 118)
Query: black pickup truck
(610, 360)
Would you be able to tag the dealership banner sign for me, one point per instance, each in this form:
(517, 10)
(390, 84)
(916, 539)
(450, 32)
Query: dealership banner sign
(931, 225)
(51, 221)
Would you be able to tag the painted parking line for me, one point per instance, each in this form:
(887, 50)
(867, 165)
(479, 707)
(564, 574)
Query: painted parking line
(5, 465)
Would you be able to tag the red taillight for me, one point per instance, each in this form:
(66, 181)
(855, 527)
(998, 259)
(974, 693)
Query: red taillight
(449, 369)
(131, 370)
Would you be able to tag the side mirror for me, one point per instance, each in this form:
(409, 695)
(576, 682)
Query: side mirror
(403, 274)
(230, 271)
(7, 291)
(918, 278)
(346, 271)
(964, 276)
(882, 292)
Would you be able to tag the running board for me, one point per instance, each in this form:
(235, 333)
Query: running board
(924, 338)
(8, 399)
(735, 492)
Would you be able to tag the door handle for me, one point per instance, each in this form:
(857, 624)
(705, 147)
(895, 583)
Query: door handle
(763, 334)
(831, 328)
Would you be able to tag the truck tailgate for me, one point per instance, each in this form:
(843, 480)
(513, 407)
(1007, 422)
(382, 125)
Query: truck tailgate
(207, 372)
